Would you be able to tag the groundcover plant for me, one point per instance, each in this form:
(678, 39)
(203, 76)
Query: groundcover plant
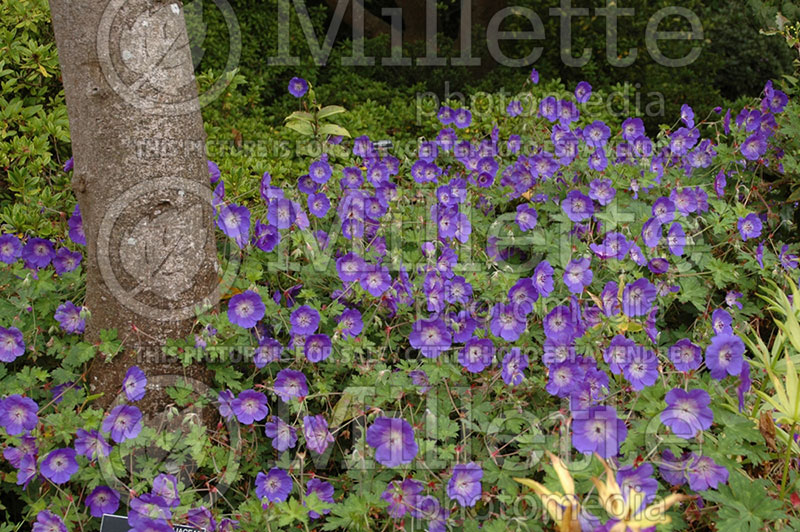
(411, 339)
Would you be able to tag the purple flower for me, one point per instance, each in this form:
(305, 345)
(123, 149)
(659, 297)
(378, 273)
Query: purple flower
(26, 470)
(351, 323)
(350, 267)
(598, 430)
(393, 441)
(275, 486)
(281, 213)
(250, 406)
(166, 487)
(750, 226)
(124, 422)
(317, 435)
(577, 206)
(75, 224)
(462, 118)
(402, 496)
(523, 295)
(754, 146)
(642, 368)
(431, 337)
(18, 414)
(323, 490)
(66, 261)
(508, 322)
(704, 473)
(134, 383)
(91, 444)
(376, 280)
(614, 246)
(10, 248)
(788, 260)
(513, 365)
(559, 324)
(577, 275)
(534, 77)
(298, 87)
(721, 321)
(640, 479)
(457, 290)
(687, 412)
(290, 383)
(214, 174)
(318, 204)
(724, 355)
(676, 239)
(320, 171)
(596, 134)
(102, 500)
(283, 435)
(598, 160)
(760, 254)
(268, 350)
(38, 252)
(638, 297)
(234, 221)
(651, 232)
(27, 446)
(305, 320)
(147, 509)
(464, 485)
(744, 384)
(225, 398)
(476, 355)
(12, 346)
(583, 91)
(619, 353)
(632, 129)
(685, 355)
(201, 518)
(602, 191)
(69, 317)
(687, 116)
(267, 237)
(564, 378)
(47, 521)
(543, 278)
(526, 217)
(685, 200)
(732, 299)
(59, 465)
(317, 347)
(673, 469)
(514, 108)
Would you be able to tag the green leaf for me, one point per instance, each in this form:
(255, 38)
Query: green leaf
(300, 115)
(744, 504)
(333, 129)
(302, 127)
(330, 110)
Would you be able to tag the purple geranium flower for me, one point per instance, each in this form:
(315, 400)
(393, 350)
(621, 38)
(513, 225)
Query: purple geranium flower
(638, 297)
(298, 87)
(462, 118)
(38, 252)
(124, 422)
(69, 317)
(577, 275)
(685, 355)
(283, 435)
(134, 383)
(18, 414)
(632, 129)
(754, 146)
(250, 406)
(564, 378)
(602, 191)
(642, 368)
(10, 248)
(66, 261)
(577, 206)
(351, 323)
(704, 473)
(619, 353)
(721, 321)
(583, 91)
(543, 278)
(290, 383)
(246, 309)
(91, 444)
(59, 465)
(640, 479)
(317, 347)
(676, 239)
(234, 221)
(431, 337)
(402, 496)
(687, 412)
(46, 521)
(596, 134)
(315, 430)
(522, 295)
(651, 232)
(75, 224)
(12, 345)
(464, 485)
(724, 355)
(376, 280)
(750, 226)
(507, 322)
(513, 365)
(526, 217)
(476, 355)
(559, 324)
(323, 490)
(102, 500)
(275, 486)
(225, 398)
(350, 267)
(305, 320)
(166, 487)
(147, 509)
(393, 441)
(598, 430)
(201, 518)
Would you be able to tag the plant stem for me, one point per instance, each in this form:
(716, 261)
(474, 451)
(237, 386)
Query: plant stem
(787, 460)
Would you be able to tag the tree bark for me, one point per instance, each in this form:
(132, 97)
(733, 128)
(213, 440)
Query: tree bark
(141, 180)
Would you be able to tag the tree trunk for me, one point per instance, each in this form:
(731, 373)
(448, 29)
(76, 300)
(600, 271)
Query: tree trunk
(141, 180)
